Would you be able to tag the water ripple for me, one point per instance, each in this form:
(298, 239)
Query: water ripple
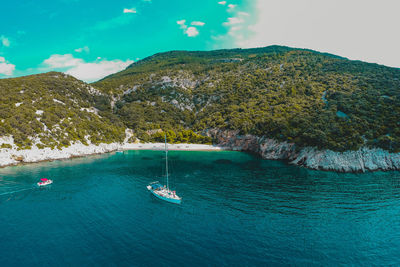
(237, 209)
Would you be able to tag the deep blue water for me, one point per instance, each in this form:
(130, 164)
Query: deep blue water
(237, 210)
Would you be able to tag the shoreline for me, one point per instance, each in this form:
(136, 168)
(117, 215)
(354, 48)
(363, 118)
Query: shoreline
(14, 157)
(173, 147)
(362, 160)
(351, 161)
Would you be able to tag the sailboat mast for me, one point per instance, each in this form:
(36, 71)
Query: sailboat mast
(166, 159)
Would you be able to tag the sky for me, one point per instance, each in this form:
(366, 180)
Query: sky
(92, 39)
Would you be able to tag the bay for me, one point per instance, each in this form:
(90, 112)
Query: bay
(237, 209)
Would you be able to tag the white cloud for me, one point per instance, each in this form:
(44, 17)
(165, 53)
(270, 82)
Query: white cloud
(237, 29)
(197, 23)
(233, 21)
(182, 23)
(231, 7)
(62, 61)
(6, 68)
(82, 49)
(222, 2)
(96, 70)
(86, 71)
(241, 13)
(5, 41)
(236, 32)
(192, 32)
(340, 27)
(129, 10)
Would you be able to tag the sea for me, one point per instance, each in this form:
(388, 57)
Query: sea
(237, 210)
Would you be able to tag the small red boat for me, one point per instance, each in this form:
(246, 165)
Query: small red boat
(44, 181)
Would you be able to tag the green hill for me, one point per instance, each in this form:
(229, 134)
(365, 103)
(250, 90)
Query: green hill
(295, 95)
(53, 109)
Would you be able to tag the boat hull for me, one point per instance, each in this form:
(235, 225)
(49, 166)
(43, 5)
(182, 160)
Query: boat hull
(171, 200)
(48, 182)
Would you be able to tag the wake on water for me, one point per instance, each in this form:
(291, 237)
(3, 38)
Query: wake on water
(31, 187)
(16, 191)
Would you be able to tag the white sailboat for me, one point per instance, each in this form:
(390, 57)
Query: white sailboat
(163, 192)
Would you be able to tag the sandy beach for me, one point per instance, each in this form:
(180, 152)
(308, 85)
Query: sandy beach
(161, 146)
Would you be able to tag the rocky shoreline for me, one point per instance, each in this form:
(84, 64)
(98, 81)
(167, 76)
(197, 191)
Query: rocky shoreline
(12, 156)
(364, 159)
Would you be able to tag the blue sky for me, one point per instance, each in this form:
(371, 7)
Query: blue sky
(97, 32)
(91, 39)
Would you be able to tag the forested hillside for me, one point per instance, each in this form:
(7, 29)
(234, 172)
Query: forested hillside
(53, 109)
(295, 95)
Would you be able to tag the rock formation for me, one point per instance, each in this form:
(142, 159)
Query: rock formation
(364, 159)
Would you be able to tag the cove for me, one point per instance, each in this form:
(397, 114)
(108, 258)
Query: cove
(237, 209)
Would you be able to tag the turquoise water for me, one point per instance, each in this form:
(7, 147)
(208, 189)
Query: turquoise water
(237, 210)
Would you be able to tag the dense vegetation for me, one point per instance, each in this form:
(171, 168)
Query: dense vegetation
(295, 95)
(54, 109)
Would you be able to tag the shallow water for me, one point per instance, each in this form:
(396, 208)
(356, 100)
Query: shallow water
(237, 210)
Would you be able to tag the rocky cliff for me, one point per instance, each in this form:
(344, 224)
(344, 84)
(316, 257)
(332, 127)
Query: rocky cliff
(364, 159)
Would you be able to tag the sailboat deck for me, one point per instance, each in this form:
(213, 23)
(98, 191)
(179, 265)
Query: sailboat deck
(166, 193)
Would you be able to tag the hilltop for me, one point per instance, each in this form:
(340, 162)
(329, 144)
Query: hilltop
(295, 95)
(54, 110)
